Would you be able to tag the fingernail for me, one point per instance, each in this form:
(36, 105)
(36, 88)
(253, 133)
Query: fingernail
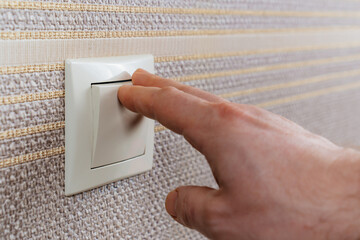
(170, 203)
(141, 71)
(139, 75)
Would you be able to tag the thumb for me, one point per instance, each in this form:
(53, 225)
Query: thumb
(193, 206)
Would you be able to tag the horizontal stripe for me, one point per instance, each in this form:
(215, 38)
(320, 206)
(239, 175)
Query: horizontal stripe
(253, 52)
(8, 162)
(100, 21)
(34, 52)
(159, 128)
(158, 59)
(56, 151)
(327, 77)
(61, 93)
(162, 10)
(31, 130)
(310, 95)
(32, 68)
(31, 97)
(21, 35)
(269, 68)
(316, 79)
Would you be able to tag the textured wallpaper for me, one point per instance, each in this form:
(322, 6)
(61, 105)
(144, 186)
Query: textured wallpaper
(300, 59)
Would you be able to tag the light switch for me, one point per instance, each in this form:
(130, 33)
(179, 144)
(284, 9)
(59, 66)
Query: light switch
(119, 134)
(104, 142)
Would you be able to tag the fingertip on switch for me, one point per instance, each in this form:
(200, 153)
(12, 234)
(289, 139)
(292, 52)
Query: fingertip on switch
(122, 90)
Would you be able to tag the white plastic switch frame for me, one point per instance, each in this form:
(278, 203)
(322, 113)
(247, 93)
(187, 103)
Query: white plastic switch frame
(95, 79)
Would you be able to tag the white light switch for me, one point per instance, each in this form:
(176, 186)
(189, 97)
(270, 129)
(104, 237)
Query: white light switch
(119, 134)
(104, 142)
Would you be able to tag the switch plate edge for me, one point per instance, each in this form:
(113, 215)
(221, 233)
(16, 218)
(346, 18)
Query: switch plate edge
(79, 176)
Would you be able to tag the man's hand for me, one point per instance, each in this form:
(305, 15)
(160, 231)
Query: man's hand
(276, 180)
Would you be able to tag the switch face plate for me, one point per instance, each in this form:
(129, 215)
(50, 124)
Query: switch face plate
(104, 142)
(117, 131)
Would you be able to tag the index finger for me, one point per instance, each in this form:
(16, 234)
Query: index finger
(146, 79)
(179, 111)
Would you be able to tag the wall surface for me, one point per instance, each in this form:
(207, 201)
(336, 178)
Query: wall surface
(299, 59)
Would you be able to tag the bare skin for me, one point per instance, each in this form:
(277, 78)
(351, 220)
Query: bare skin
(276, 180)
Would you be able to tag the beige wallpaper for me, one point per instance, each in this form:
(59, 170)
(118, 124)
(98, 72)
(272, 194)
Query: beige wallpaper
(299, 59)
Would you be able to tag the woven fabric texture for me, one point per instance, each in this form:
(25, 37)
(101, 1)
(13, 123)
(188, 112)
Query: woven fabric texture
(306, 5)
(317, 88)
(95, 21)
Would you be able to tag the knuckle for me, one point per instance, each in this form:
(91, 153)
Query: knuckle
(168, 91)
(251, 109)
(255, 115)
(226, 110)
(185, 88)
(186, 219)
(214, 214)
(162, 95)
(235, 112)
(187, 213)
(211, 215)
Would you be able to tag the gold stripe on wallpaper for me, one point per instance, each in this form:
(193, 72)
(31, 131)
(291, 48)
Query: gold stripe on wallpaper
(164, 10)
(310, 95)
(58, 125)
(254, 52)
(321, 78)
(12, 99)
(23, 35)
(5, 100)
(60, 150)
(32, 68)
(31, 157)
(31, 130)
(269, 68)
(61, 66)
